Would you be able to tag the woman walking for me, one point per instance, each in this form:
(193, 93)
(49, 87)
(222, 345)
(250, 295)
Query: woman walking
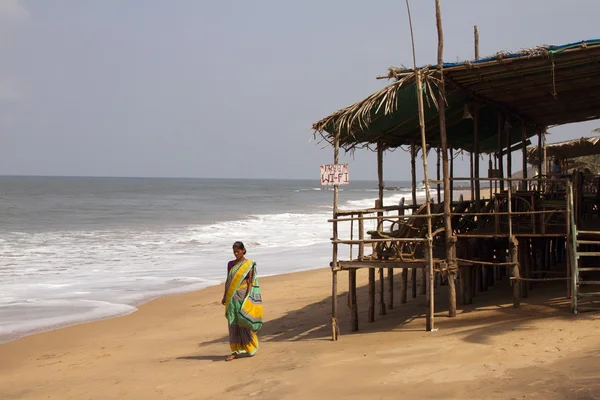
(243, 304)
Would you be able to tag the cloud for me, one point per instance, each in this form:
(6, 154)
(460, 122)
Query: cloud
(13, 10)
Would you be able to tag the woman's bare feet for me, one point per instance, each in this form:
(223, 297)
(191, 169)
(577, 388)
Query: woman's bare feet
(231, 357)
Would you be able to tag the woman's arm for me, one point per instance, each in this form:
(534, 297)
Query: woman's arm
(249, 280)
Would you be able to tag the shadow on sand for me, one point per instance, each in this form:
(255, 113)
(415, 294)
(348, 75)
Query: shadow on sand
(312, 322)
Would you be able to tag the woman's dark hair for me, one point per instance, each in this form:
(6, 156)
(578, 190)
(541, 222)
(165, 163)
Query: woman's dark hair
(239, 246)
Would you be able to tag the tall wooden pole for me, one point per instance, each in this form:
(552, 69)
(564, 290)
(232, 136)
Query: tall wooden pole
(380, 171)
(429, 247)
(476, 34)
(508, 158)
(334, 267)
(500, 147)
(476, 184)
(524, 185)
(413, 172)
(382, 308)
(439, 187)
(450, 240)
(476, 158)
(475, 153)
(451, 174)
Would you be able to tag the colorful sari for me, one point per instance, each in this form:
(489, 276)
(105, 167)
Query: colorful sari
(242, 340)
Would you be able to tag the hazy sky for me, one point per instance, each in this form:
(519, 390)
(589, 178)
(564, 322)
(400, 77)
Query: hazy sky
(196, 88)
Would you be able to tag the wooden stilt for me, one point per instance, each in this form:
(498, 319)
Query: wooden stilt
(516, 283)
(371, 295)
(353, 301)
(382, 308)
(404, 288)
(390, 302)
(524, 263)
(414, 283)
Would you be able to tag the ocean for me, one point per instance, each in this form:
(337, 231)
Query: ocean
(78, 249)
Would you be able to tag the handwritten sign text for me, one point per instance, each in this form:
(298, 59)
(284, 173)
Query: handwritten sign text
(334, 174)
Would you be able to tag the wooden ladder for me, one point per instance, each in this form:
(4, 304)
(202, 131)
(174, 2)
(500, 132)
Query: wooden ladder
(591, 238)
(577, 281)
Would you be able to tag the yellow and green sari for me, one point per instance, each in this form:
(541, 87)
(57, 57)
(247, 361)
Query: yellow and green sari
(243, 308)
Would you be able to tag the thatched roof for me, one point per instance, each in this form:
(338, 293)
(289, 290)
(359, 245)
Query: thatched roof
(586, 146)
(547, 85)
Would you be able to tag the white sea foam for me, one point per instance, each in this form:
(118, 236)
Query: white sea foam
(63, 277)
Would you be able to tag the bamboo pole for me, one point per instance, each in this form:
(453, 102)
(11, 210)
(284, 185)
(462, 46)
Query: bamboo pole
(353, 301)
(439, 187)
(413, 173)
(450, 240)
(524, 154)
(382, 308)
(540, 159)
(334, 267)
(404, 287)
(500, 147)
(371, 312)
(508, 159)
(429, 247)
(476, 158)
(472, 175)
(451, 174)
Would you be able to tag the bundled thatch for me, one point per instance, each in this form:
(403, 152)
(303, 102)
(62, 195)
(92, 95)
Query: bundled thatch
(538, 87)
(568, 149)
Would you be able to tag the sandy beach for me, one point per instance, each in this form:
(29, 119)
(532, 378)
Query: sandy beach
(173, 348)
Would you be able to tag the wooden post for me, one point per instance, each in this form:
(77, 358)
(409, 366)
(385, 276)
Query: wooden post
(524, 185)
(382, 308)
(413, 156)
(514, 252)
(413, 173)
(540, 159)
(353, 301)
(495, 167)
(476, 34)
(380, 171)
(500, 147)
(390, 302)
(491, 180)
(508, 159)
(450, 239)
(418, 87)
(371, 294)
(452, 174)
(472, 176)
(404, 288)
(334, 266)
(414, 283)
(476, 160)
(439, 187)
(361, 237)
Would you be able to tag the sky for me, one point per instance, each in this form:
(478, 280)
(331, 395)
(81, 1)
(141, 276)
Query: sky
(230, 89)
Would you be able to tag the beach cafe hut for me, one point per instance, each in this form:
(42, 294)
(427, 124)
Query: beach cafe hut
(492, 106)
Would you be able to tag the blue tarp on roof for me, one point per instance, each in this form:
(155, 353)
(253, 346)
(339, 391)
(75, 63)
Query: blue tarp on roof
(525, 53)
